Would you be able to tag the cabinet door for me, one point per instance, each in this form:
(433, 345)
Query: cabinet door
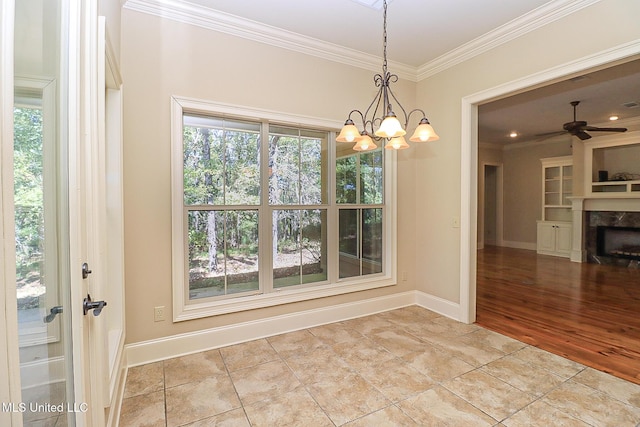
(567, 185)
(546, 237)
(563, 239)
(552, 186)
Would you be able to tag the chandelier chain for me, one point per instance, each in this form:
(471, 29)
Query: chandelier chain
(387, 125)
(384, 39)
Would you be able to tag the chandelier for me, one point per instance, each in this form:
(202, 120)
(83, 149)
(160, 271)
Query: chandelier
(388, 127)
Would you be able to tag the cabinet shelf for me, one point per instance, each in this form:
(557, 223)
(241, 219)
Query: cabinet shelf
(621, 187)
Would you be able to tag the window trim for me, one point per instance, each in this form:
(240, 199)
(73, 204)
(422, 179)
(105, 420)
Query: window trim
(44, 90)
(183, 309)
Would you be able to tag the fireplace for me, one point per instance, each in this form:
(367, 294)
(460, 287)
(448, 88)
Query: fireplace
(613, 237)
(619, 242)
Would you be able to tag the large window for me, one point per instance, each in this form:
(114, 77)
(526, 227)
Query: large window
(359, 195)
(298, 194)
(221, 176)
(266, 213)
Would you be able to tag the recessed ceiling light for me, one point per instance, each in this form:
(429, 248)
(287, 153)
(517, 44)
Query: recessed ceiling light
(612, 118)
(513, 134)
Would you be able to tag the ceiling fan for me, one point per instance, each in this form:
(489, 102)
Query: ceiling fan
(578, 127)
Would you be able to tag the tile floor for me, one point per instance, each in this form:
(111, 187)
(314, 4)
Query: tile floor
(406, 367)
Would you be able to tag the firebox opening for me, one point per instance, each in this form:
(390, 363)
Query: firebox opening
(620, 242)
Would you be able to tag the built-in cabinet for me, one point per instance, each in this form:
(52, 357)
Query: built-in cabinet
(557, 187)
(554, 231)
(554, 238)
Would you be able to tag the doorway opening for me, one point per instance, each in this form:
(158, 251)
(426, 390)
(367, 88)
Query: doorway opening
(469, 155)
(490, 205)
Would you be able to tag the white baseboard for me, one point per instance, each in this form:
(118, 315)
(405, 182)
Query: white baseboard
(179, 345)
(41, 372)
(439, 305)
(579, 256)
(520, 245)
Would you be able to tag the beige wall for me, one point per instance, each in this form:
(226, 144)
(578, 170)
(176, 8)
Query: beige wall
(522, 189)
(161, 58)
(592, 30)
(617, 160)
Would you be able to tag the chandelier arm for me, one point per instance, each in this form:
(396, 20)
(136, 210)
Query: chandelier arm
(359, 112)
(424, 116)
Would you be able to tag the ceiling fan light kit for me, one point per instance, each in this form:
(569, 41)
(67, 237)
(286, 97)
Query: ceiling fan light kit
(379, 120)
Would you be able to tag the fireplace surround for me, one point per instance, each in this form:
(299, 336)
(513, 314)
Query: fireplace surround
(613, 238)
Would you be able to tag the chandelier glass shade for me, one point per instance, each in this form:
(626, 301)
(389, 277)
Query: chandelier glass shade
(379, 120)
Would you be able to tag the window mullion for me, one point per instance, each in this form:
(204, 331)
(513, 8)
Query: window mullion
(358, 180)
(333, 232)
(360, 239)
(265, 215)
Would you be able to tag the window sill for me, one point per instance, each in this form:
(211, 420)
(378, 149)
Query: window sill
(207, 309)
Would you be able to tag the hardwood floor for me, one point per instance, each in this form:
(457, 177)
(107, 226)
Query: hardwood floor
(588, 313)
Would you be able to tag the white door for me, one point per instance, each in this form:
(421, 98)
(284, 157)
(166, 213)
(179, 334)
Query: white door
(49, 152)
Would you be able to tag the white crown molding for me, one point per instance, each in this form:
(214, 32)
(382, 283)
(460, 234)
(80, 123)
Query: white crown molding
(531, 21)
(192, 14)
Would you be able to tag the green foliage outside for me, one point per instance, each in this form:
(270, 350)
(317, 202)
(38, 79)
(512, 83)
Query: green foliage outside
(222, 191)
(28, 197)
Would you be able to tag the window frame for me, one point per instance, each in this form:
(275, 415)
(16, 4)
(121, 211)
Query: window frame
(185, 309)
(43, 91)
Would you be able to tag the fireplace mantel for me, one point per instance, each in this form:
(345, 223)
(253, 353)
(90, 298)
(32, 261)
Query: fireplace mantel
(591, 203)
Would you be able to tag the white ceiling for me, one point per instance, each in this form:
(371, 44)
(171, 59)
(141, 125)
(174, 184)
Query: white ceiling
(418, 31)
(601, 94)
(422, 33)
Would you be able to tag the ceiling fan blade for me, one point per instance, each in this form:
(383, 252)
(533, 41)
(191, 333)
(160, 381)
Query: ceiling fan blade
(550, 134)
(582, 135)
(594, 129)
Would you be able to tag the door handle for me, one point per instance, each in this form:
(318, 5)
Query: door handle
(96, 306)
(52, 314)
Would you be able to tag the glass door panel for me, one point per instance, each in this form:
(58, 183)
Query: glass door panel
(40, 189)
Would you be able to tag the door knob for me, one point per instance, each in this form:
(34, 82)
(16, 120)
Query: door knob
(96, 306)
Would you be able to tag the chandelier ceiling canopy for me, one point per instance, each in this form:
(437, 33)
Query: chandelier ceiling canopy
(379, 122)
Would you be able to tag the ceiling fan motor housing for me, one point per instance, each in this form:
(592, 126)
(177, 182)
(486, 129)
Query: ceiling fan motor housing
(574, 126)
